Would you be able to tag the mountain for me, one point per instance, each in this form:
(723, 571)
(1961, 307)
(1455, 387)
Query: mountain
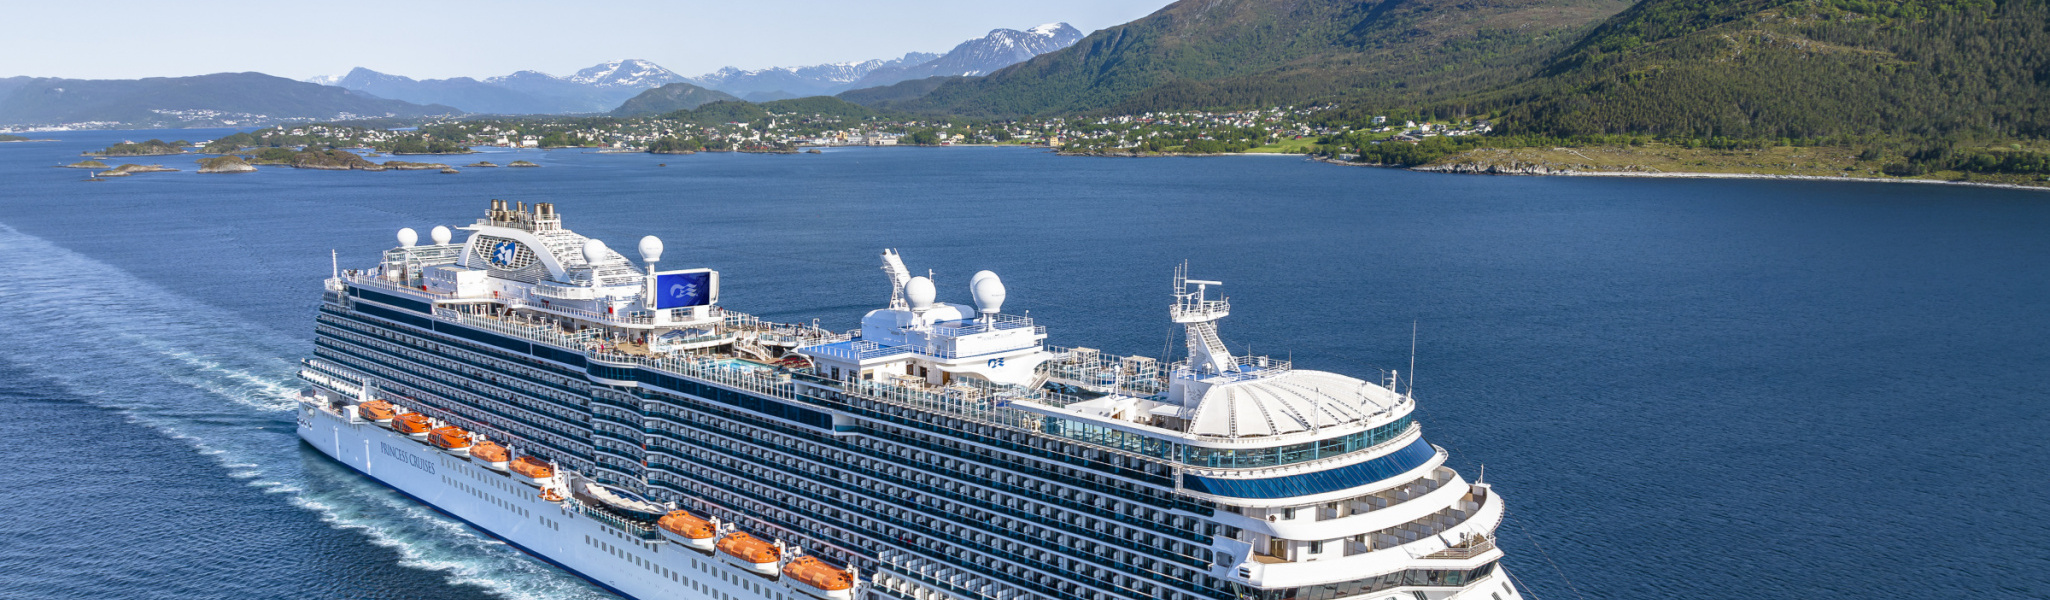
(632, 73)
(1751, 69)
(462, 92)
(598, 88)
(669, 98)
(902, 91)
(980, 56)
(237, 99)
(1202, 53)
(792, 82)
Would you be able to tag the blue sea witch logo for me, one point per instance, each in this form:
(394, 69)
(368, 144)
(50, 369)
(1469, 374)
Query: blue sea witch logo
(502, 254)
(683, 289)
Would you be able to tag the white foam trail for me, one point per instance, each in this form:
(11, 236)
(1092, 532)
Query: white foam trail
(224, 385)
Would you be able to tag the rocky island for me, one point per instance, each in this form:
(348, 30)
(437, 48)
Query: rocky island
(225, 164)
(521, 163)
(86, 164)
(152, 147)
(126, 170)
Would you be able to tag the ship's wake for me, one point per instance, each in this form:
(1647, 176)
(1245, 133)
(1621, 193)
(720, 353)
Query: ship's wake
(224, 386)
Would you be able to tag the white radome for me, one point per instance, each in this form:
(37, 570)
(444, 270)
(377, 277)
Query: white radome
(989, 293)
(594, 251)
(441, 235)
(408, 237)
(920, 293)
(651, 249)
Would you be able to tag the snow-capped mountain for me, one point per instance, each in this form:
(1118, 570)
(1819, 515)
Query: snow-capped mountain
(599, 88)
(981, 56)
(792, 82)
(630, 73)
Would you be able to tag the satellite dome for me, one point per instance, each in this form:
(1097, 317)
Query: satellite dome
(651, 249)
(408, 237)
(441, 235)
(920, 293)
(594, 251)
(989, 293)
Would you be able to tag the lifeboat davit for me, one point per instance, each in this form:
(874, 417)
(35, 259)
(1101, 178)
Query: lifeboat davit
(413, 424)
(531, 471)
(377, 411)
(452, 440)
(491, 454)
(687, 529)
(751, 553)
(816, 578)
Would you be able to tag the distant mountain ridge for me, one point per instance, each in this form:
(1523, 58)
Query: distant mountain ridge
(220, 99)
(980, 56)
(595, 89)
(796, 82)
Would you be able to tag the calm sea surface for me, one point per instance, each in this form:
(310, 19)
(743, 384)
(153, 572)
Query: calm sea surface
(1684, 389)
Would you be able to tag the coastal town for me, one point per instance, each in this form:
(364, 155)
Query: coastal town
(1285, 129)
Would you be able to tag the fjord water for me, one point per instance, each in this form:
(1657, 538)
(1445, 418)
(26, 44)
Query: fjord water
(1684, 389)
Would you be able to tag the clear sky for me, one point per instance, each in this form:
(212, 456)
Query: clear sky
(121, 39)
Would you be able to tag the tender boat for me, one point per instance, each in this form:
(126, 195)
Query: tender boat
(491, 454)
(450, 439)
(377, 411)
(531, 471)
(413, 424)
(816, 578)
(687, 529)
(751, 553)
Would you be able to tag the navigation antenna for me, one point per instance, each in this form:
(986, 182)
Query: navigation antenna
(335, 262)
(1412, 360)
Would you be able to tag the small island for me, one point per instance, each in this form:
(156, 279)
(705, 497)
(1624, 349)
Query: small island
(4, 138)
(482, 164)
(225, 164)
(126, 170)
(85, 164)
(450, 171)
(152, 147)
(400, 165)
(521, 163)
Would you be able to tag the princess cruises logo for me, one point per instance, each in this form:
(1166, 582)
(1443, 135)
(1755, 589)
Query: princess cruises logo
(502, 254)
(683, 291)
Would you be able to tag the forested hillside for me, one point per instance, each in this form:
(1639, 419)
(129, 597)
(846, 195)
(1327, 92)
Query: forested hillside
(1798, 69)
(1261, 52)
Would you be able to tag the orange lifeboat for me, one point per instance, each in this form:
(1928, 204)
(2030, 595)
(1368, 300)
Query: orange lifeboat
(751, 553)
(377, 411)
(452, 440)
(491, 454)
(531, 471)
(687, 529)
(816, 578)
(412, 424)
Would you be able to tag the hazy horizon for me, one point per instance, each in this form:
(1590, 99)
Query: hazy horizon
(472, 38)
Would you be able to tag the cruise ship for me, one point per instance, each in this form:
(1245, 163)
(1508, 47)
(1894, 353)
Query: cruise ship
(613, 419)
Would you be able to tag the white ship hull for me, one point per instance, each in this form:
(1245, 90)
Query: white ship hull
(504, 508)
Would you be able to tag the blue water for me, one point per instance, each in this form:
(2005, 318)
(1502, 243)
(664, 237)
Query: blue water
(1685, 389)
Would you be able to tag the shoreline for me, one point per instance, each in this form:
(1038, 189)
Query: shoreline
(1706, 175)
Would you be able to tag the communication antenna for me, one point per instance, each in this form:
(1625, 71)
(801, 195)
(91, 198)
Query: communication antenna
(335, 261)
(1412, 359)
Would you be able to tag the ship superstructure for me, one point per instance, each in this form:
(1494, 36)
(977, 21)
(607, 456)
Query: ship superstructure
(613, 419)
